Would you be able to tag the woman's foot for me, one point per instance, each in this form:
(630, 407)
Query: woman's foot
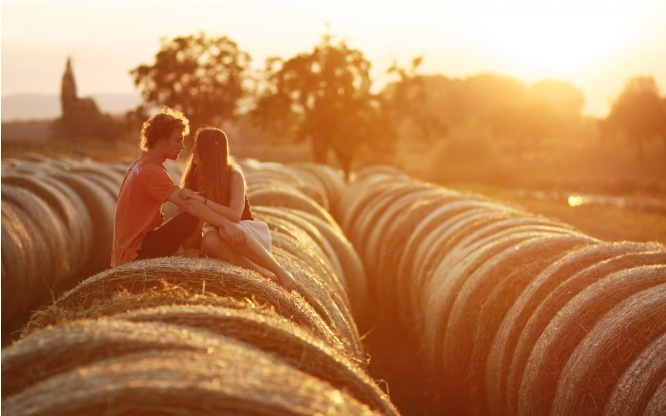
(287, 281)
(267, 274)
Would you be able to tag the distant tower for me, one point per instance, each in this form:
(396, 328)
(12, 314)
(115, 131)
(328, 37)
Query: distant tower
(68, 96)
(81, 118)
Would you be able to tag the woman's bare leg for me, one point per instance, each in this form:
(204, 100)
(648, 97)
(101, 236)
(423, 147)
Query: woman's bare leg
(215, 246)
(256, 253)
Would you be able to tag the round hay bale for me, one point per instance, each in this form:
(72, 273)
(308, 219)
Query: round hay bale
(18, 265)
(233, 379)
(504, 346)
(656, 406)
(64, 201)
(210, 276)
(326, 251)
(329, 179)
(640, 382)
(349, 260)
(429, 241)
(374, 209)
(391, 236)
(610, 348)
(164, 295)
(433, 244)
(482, 301)
(328, 298)
(51, 238)
(274, 196)
(447, 279)
(359, 194)
(99, 173)
(101, 207)
(570, 326)
(277, 336)
(69, 345)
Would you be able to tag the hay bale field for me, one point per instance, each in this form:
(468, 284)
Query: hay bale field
(504, 312)
(508, 312)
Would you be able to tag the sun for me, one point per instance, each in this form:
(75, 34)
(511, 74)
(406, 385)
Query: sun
(554, 42)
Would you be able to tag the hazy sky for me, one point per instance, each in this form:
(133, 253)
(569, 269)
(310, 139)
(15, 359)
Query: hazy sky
(597, 45)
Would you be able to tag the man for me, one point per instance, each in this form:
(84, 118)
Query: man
(139, 230)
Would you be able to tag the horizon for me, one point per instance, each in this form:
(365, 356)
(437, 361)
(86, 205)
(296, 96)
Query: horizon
(596, 47)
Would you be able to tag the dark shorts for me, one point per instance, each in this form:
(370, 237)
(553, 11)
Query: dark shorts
(165, 240)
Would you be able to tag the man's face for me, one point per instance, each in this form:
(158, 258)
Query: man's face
(174, 144)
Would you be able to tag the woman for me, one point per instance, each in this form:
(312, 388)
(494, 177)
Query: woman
(221, 186)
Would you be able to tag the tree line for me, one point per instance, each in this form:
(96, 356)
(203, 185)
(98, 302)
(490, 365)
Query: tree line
(327, 98)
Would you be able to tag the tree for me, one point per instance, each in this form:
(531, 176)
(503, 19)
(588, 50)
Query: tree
(324, 97)
(204, 77)
(639, 113)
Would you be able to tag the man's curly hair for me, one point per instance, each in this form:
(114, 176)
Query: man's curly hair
(161, 125)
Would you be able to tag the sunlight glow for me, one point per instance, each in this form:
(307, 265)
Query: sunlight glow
(555, 43)
(575, 200)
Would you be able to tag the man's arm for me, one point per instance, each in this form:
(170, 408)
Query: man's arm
(203, 212)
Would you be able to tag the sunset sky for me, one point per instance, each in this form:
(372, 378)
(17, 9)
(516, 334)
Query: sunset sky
(597, 45)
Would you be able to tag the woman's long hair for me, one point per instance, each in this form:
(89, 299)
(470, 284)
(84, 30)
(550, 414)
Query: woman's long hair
(211, 176)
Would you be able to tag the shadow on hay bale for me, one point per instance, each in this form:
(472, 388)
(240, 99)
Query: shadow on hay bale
(497, 301)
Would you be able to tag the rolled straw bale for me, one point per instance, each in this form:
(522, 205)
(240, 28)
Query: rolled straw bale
(482, 301)
(291, 216)
(388, 242)
(164, 295)
(277, 336)
(101, 207)
(100, 173)
(570, 326)
(504, 344)
(368, 185)
(315, 280)
(328, 299)
(379, 171)
(640, 381)
(378, 237)
(348, 258)
(64, 201)
(232, 379)
(299, 243)
(329, 179)
(430, 239)
(280, 196)
(609, 349)
(656, 406)
(431, 243)
(209, 276)
(33, 238)
(64, 347)
(374, 208)
(18, 266)
(560, 295)
(261, 174)
(53, 250)
(450, 275)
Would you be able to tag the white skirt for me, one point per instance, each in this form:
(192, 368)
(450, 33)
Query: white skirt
(255, 228)
(260, 231)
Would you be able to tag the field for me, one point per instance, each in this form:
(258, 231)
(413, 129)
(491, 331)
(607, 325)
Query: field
(606, 192)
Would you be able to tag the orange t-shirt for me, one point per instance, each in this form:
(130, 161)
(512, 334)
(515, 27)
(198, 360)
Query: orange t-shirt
(145, 188)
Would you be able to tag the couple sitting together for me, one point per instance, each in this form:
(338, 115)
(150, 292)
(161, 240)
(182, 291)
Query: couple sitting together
(215, 217)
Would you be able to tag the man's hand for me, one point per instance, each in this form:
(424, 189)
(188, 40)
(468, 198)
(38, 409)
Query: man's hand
(233, 233)
(186, 193)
